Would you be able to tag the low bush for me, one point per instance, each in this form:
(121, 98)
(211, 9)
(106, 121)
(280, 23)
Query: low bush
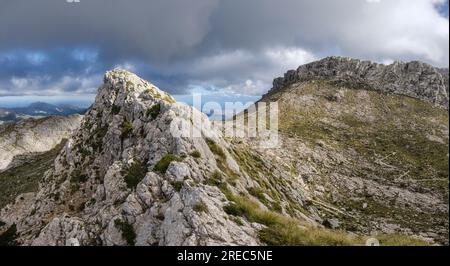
(77, 177)
(196, 154)
(8, 238)
(177, 185)
(134, 174)
(200, 207)
(215, 179)
(153, 111)
(127, 127)
(215, 148)
(115, 109)
(127, 230)
(162, 165)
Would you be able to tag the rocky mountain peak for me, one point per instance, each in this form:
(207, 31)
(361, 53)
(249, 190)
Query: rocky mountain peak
(415, 79)
(126, 82)
(125, 177)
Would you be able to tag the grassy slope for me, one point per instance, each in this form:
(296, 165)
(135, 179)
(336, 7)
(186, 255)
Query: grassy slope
(393, 140)
(395, 126)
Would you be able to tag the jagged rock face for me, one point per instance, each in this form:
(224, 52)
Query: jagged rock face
(34, 135)
(414, 79)
(123, 178)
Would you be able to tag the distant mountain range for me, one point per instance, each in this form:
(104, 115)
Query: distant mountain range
(38, 109)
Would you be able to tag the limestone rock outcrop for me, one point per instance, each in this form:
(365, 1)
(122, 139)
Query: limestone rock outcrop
(414, 79)
(34, 135)
(124, 179)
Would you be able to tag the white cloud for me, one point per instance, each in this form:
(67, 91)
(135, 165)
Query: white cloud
(400, 29)
(241, 71)
(46, 85)
(288, 58)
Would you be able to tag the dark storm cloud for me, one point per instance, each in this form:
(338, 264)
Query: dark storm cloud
(51, 46)
(156, 29)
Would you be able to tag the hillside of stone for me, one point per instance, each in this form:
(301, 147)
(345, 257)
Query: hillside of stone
(34, 135)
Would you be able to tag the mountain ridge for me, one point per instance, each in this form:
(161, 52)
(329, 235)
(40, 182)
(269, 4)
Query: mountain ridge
(415, 79)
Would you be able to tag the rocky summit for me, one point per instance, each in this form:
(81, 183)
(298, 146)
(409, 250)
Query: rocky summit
(123, 179)
(414, 79)
(355, 162)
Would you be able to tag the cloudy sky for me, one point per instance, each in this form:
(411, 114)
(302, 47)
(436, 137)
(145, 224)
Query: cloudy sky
(231, 47)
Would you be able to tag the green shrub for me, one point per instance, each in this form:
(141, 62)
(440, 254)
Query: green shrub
(259, 194)
(134, 174)
(233, 209)
(216, 149)
(8, 238)
(200, 207)
(196, 154)
(129, 85)
(215, 179)
(153, 111)
(97, 139)
(77, 177)
(127, 230)
(164, 163)
(276, 206)
(115, 109)
(101, 132)
(237, 220)
(177, 185)
(127, 127)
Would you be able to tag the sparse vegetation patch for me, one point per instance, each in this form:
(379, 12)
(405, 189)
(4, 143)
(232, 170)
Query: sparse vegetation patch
(177, 185)
(134, 174)
(153, 111)
(215, 148)
(196, 154)
(8, 238)
(200, 207)
(127, 230)
(78, 177)
(127, 128)
(115, 109)
(162, 165)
